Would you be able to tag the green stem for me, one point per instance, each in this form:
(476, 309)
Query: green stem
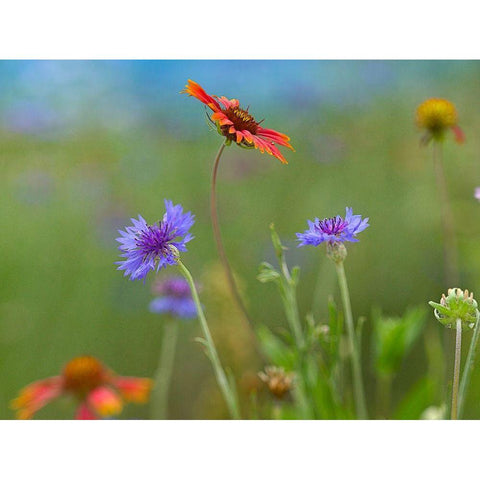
(469, 363)
(293, 318)
(291, 310)
(456, 370)
(276, 410)
(163, 374)
(225, 387)
(450, 246)
(359, 393)
(290, 302)
(384, 395)
(218, 240)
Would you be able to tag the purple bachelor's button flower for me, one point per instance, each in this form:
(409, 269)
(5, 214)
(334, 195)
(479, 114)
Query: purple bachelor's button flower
(175, 298)
(148, 247)
(333, 230)
(171, 287)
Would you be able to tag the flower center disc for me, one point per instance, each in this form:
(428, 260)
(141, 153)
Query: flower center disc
(332, 226)
(83, 374)
(241, 119)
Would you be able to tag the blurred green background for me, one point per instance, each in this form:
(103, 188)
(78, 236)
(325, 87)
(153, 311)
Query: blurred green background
(85, 145)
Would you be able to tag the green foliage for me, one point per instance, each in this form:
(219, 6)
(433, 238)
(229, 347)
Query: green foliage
(416, 401)
(393, 337)
(279, 353)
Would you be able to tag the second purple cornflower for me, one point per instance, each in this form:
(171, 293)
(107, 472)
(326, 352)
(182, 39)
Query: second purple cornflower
(152, 247)
(333, 230)
(173, 297)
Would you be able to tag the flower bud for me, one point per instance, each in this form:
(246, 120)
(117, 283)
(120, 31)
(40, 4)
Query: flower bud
(278, 381)
(336, 251)
(456, 305)
(175, 252)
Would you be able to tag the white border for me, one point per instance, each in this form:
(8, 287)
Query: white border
(247, 29)
(238, 450)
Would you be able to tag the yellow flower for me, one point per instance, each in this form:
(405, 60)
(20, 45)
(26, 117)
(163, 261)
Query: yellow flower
(436, 115)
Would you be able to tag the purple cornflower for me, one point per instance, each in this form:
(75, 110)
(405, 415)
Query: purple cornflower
(333, 230)
(148, 247)
(174, 298)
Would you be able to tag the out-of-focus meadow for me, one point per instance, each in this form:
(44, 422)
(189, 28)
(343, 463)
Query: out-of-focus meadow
(85, 146)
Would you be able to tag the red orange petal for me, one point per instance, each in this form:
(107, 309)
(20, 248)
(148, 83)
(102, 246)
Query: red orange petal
(36, 395)
(195, 90)
(277, 137)
(85, 413)
(459, 135)
(134, 389)
(270, 148)
(248, 136)
(105, 402)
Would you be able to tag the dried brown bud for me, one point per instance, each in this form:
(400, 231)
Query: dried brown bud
(278, 381)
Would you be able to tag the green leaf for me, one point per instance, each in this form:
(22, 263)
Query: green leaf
(295, 274)
(267, 273)
(277, 244)
(393, 338)
(420, 397)
(278, 353)
(441, 308)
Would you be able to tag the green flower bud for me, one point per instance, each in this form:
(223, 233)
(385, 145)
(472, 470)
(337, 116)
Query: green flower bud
(336, 251)
(457, 305)
(175, 252)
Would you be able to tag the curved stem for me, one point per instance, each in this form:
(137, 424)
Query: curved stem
(218, 239)
(467, 372)
(450, 246)
(359, 393)
(456, 370)
(164, 371)
(225, 387)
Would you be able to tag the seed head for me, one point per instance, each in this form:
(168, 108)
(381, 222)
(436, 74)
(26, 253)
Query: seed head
(456, 305)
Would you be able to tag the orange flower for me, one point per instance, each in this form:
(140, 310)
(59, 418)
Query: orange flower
(436, 115)
(100, 391)
(237, 125)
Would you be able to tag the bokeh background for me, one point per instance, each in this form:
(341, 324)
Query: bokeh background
(85, 145)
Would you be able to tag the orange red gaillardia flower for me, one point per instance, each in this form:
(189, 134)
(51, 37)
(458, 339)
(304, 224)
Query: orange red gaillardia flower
(99, 391)
(238, 125)
(436, 115)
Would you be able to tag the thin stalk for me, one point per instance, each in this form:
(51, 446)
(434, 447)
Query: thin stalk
(289, 298)
(293, 317)
(163, 374)
(456, 370)
(359, 393)
(467, 371)
(450, 244)
(225, 387)
(384, 395)
(289, 295)
(291, 312)
(218, 240)
(277, 410)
